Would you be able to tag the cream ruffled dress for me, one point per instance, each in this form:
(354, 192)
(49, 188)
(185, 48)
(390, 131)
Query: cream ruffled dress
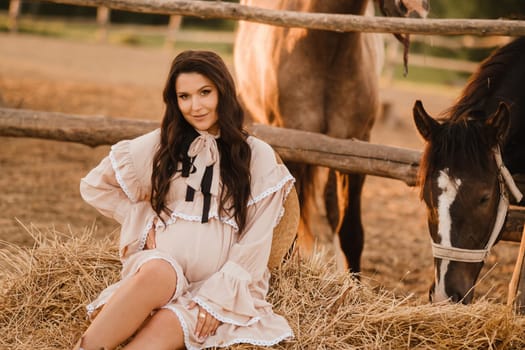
(225, 274)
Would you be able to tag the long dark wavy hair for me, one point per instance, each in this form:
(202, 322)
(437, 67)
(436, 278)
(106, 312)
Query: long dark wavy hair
(177, 134)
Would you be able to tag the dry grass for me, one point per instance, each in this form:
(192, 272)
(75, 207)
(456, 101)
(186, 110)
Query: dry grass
(44, 290)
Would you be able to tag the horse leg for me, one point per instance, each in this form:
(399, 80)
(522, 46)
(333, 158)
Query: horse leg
(304, 177)
(350, 231)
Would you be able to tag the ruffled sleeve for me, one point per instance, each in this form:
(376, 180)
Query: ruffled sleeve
(236, 293)
(119, 188)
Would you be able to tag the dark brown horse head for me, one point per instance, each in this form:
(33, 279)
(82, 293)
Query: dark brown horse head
(466, 168)
(461, 187)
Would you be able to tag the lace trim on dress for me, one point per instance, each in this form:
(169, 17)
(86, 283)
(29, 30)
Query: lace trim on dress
(92, 307)
(279, 339)
(144, 235)
(159, 225)
(185, 330)
(183, 325)
(197, 218)
(118, 176)
(230, 221)
(222, 318)
(272, 190)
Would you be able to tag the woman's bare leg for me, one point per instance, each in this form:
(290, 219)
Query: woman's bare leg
(150, 288)
(162, 331)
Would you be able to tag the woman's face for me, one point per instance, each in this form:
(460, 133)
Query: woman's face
(197, 97)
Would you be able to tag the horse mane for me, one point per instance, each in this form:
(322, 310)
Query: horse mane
(457, 146)
(487, 79)
(461, 141)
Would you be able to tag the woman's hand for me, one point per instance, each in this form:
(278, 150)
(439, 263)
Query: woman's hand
(206, 324)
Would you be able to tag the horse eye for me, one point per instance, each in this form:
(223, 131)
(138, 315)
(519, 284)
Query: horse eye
(484, 199)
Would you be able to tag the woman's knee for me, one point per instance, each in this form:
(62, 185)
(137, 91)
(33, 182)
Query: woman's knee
(157, 275)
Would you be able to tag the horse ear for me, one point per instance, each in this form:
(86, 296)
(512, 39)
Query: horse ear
(499, 121)
(425, 124)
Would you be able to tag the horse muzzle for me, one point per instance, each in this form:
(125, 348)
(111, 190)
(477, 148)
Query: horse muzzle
(455, 283)
(456, 297)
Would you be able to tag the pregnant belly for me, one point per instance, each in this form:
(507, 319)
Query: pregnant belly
(200, 248)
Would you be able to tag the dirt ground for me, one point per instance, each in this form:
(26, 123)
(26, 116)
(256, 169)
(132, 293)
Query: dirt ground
(39, 179)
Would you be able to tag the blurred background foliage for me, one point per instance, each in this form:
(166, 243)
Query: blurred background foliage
(490, 9)
(141, 29)
(471, 9)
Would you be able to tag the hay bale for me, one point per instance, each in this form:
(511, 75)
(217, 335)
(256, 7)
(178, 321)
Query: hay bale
(45, 289)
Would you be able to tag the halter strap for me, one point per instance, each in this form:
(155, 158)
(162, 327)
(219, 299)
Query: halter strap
(477, 255)
(507, 177)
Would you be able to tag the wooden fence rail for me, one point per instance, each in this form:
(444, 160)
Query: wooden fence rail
(292, 145)
(333, 22)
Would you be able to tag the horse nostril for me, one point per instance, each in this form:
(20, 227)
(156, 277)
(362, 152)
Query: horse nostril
(467, 299)
(456, 298)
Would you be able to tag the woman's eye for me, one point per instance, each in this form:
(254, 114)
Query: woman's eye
(183, 97)
(205, 92)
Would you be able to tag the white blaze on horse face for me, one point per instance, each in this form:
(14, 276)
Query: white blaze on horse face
(439, 286)
(449, 190)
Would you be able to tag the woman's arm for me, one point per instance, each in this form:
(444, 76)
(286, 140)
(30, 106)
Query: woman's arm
(101, 190)
(115, 189)
(236, 293)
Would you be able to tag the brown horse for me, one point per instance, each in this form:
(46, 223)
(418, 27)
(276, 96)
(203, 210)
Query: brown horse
(318, 81)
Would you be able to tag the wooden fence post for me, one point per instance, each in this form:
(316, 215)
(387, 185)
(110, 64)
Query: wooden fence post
(516, 296)
(14, 13)
(103, 18)
(173, 29)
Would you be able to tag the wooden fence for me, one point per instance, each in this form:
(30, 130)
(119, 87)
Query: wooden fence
(292, 145)
(333, 22)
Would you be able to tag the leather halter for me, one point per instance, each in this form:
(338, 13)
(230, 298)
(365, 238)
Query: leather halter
(477, 255)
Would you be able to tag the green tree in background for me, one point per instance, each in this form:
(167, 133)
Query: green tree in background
(471, 9)
(489, 9)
